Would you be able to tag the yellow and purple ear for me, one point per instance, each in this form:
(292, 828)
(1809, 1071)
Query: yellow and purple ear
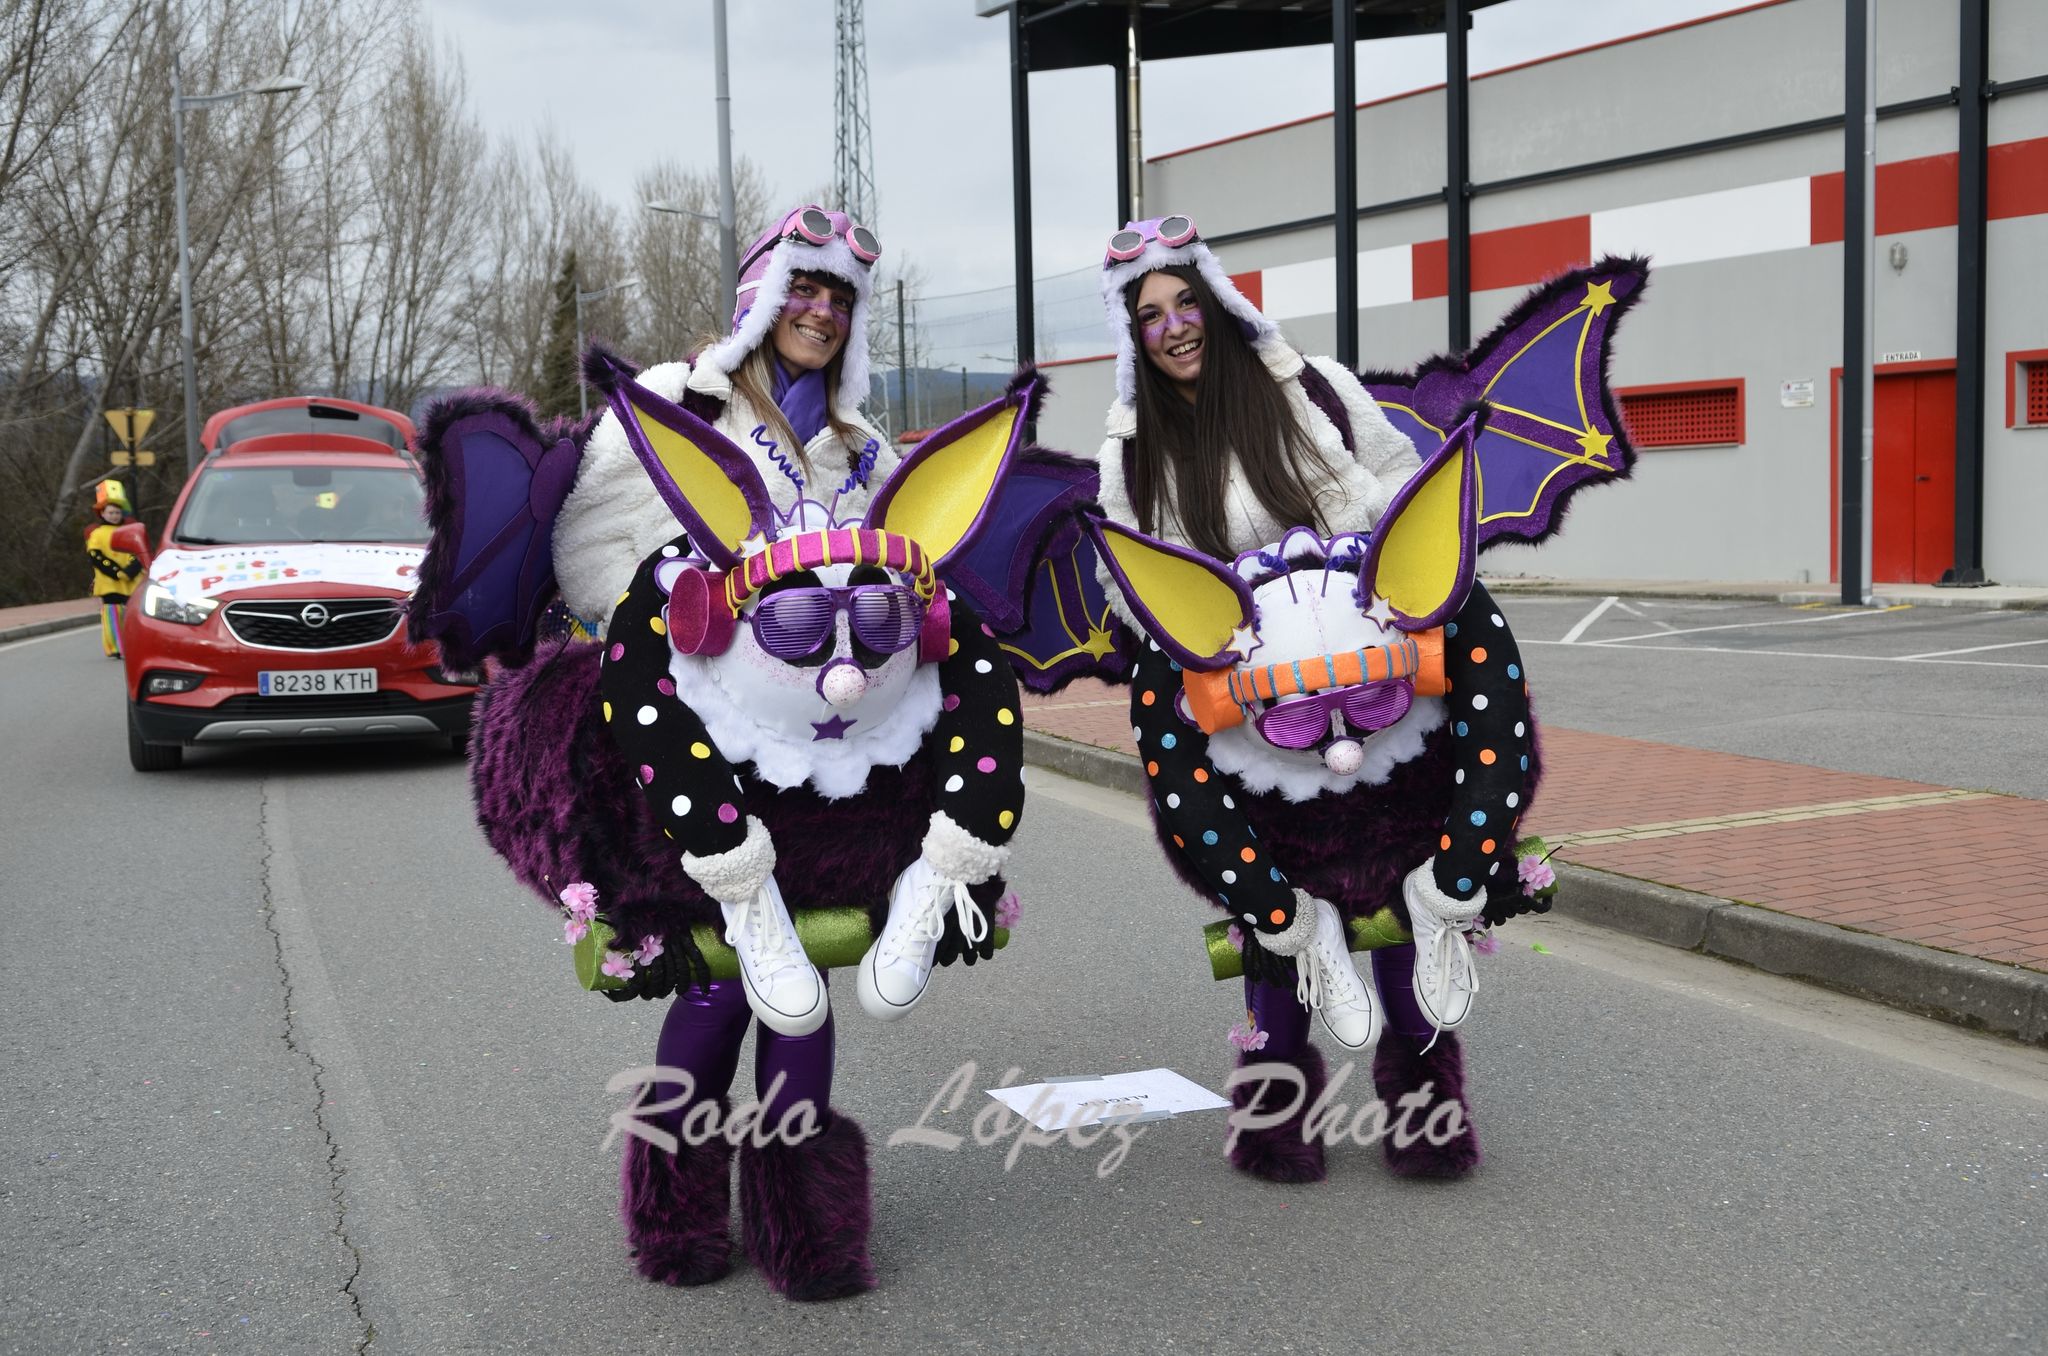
(707, 481)
(941, 494)
(1199, 611)
(1422, 554)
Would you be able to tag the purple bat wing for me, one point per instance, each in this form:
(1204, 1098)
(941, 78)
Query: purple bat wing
(1551, 423)
(495, 482)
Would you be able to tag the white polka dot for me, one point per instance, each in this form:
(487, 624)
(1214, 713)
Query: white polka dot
(1230, 878)
(1137, 734)
(1153, 644)
(1497, 621)
(1461, 776)
(1514, 799)
(680, 806)
(1229, 804)
(1479, 702)
(646, 715)
(1492, 869)
(1173, 801)
(1249, 919)
(982, 666)
(1521, 728)
(951, 596)
(953, 783)
(671, 552)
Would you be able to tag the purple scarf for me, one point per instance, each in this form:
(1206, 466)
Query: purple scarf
(801, 400)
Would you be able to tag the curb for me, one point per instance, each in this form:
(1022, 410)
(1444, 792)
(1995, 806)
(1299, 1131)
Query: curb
(2005, 1000)
(43, 628)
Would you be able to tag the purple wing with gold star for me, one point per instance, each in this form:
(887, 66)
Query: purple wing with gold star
(1551, 424)
(1031, 574)
(495, 481)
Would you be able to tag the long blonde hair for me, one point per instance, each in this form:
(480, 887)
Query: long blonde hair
(754, 379)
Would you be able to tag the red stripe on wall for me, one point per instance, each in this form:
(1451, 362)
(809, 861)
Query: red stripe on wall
(2017, 179)
(1253, 285)
(1514, 256)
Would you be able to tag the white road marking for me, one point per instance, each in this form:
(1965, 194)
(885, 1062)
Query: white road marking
(1571, 637)
(1796, 654)
(2008, 645)
(1744, 626)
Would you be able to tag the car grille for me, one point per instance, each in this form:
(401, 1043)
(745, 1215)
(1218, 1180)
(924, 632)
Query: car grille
(282, 625)
(248, 706)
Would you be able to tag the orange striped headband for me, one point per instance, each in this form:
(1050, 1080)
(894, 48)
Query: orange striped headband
(836, 546)
(1218, 700)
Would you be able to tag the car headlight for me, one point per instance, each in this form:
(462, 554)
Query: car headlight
(159, 603)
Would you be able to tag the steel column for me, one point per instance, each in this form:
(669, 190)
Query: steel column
(1344, 133)
(1972, 144)
(1457, 176)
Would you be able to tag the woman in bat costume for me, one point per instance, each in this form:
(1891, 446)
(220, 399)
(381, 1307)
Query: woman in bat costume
(1335, 726)
(784, 697)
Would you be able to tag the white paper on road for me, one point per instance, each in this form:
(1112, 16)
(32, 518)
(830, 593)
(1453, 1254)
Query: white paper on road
(1068, 1105)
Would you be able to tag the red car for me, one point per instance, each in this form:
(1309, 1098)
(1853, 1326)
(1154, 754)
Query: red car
(274, 607)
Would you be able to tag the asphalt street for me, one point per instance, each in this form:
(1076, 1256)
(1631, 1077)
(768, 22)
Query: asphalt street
(1947, 695)
(294, 1067)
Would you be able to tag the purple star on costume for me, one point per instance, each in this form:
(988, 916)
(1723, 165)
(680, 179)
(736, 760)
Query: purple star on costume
(834, 728)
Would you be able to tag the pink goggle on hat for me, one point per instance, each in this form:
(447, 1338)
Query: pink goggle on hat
(806, 239)
(1142, 247)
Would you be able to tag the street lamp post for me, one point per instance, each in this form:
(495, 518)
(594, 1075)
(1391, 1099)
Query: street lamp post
(180, 101)
(583, 393)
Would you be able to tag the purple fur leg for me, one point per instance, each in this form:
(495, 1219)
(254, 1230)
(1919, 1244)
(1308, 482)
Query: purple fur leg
(1400, 1066)
(675, 1207)
(1279, 1153)
(805, 1210)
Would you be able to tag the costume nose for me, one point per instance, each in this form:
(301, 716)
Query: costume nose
(842, 683)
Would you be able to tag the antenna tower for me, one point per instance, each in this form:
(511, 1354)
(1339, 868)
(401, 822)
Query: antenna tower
(853, 182)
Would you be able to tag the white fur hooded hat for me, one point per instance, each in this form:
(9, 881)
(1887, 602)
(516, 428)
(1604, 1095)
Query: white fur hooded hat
(1143, 246)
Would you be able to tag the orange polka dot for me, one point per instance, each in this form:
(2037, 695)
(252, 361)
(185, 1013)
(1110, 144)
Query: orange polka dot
(1279, 917)
(1148, 698)
(1486, 757)
(1487, 847)
(1151, 769)
(1248, 855)
(1179, 841)
(1479, 654)
(1446, 843)
(1201, 774)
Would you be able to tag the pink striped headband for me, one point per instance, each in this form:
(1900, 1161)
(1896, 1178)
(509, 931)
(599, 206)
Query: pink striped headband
(838, 546)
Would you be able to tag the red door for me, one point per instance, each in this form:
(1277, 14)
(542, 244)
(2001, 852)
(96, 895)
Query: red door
(1913, 528)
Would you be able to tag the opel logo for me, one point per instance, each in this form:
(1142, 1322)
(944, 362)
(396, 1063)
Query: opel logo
(313, 615)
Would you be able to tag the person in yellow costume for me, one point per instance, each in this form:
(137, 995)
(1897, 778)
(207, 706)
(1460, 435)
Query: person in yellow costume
(114, 573)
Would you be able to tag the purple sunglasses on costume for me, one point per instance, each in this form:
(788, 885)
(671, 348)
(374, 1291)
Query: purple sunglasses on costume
(1305, 722)
(793, 623)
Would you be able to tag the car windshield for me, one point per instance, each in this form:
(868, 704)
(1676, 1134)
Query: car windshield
(232, 506)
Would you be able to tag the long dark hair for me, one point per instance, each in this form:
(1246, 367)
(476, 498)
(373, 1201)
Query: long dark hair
(1239, 410)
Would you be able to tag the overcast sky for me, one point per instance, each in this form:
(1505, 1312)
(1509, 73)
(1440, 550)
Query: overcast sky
(625, 82)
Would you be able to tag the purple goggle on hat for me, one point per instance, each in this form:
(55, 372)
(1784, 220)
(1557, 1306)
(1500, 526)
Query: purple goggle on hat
(1143, 247)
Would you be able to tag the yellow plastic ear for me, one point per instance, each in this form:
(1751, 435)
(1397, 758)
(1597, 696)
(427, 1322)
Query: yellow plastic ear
(939, 494)
(1421, 558)
(701, 480)
(1196, 609)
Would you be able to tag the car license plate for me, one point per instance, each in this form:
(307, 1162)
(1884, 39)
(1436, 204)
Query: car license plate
(315, 682)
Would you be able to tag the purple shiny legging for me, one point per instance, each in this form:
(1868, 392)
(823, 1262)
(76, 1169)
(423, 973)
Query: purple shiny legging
(702, 1034)
(1285, 1020)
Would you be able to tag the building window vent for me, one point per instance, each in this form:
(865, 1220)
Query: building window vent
(1690, 415)
(2036, 392)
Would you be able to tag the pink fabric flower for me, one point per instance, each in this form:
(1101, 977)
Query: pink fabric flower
(1008, 910)
(1483, 941)
(1248, 1037)
(579, 898)
(616, 965)
(1536, 875)
(1235, 936)
(650, 947)
(573, 931)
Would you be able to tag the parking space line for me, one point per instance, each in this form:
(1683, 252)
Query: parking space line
(1795, 654)
(1974, 649)
(1744, 626)
(1571, 637)
(1791, 814)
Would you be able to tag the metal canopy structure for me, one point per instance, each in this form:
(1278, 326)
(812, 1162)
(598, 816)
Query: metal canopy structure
(1052, 35)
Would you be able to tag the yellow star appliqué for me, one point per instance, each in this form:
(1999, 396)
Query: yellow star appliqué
(1599, 296)
(1594, 445)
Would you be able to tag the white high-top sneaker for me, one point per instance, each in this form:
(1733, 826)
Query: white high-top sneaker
(1446, 977)
(782, 986)
(1328, 981)
(896, 969)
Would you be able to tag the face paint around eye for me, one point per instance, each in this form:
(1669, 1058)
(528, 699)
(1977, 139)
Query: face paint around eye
(1156, 329)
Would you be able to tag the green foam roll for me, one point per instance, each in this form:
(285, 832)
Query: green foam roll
(1367, 934)
(832, 938)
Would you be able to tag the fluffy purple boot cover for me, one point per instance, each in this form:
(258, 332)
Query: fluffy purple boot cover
(1278, 1153)
(805, 1210)
(675, 1207)
(1399, 1067)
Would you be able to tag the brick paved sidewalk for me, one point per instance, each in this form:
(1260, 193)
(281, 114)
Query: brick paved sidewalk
(1957, 869)
(36, 618)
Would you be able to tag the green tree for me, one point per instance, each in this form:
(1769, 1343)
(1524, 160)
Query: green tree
(558, 365)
